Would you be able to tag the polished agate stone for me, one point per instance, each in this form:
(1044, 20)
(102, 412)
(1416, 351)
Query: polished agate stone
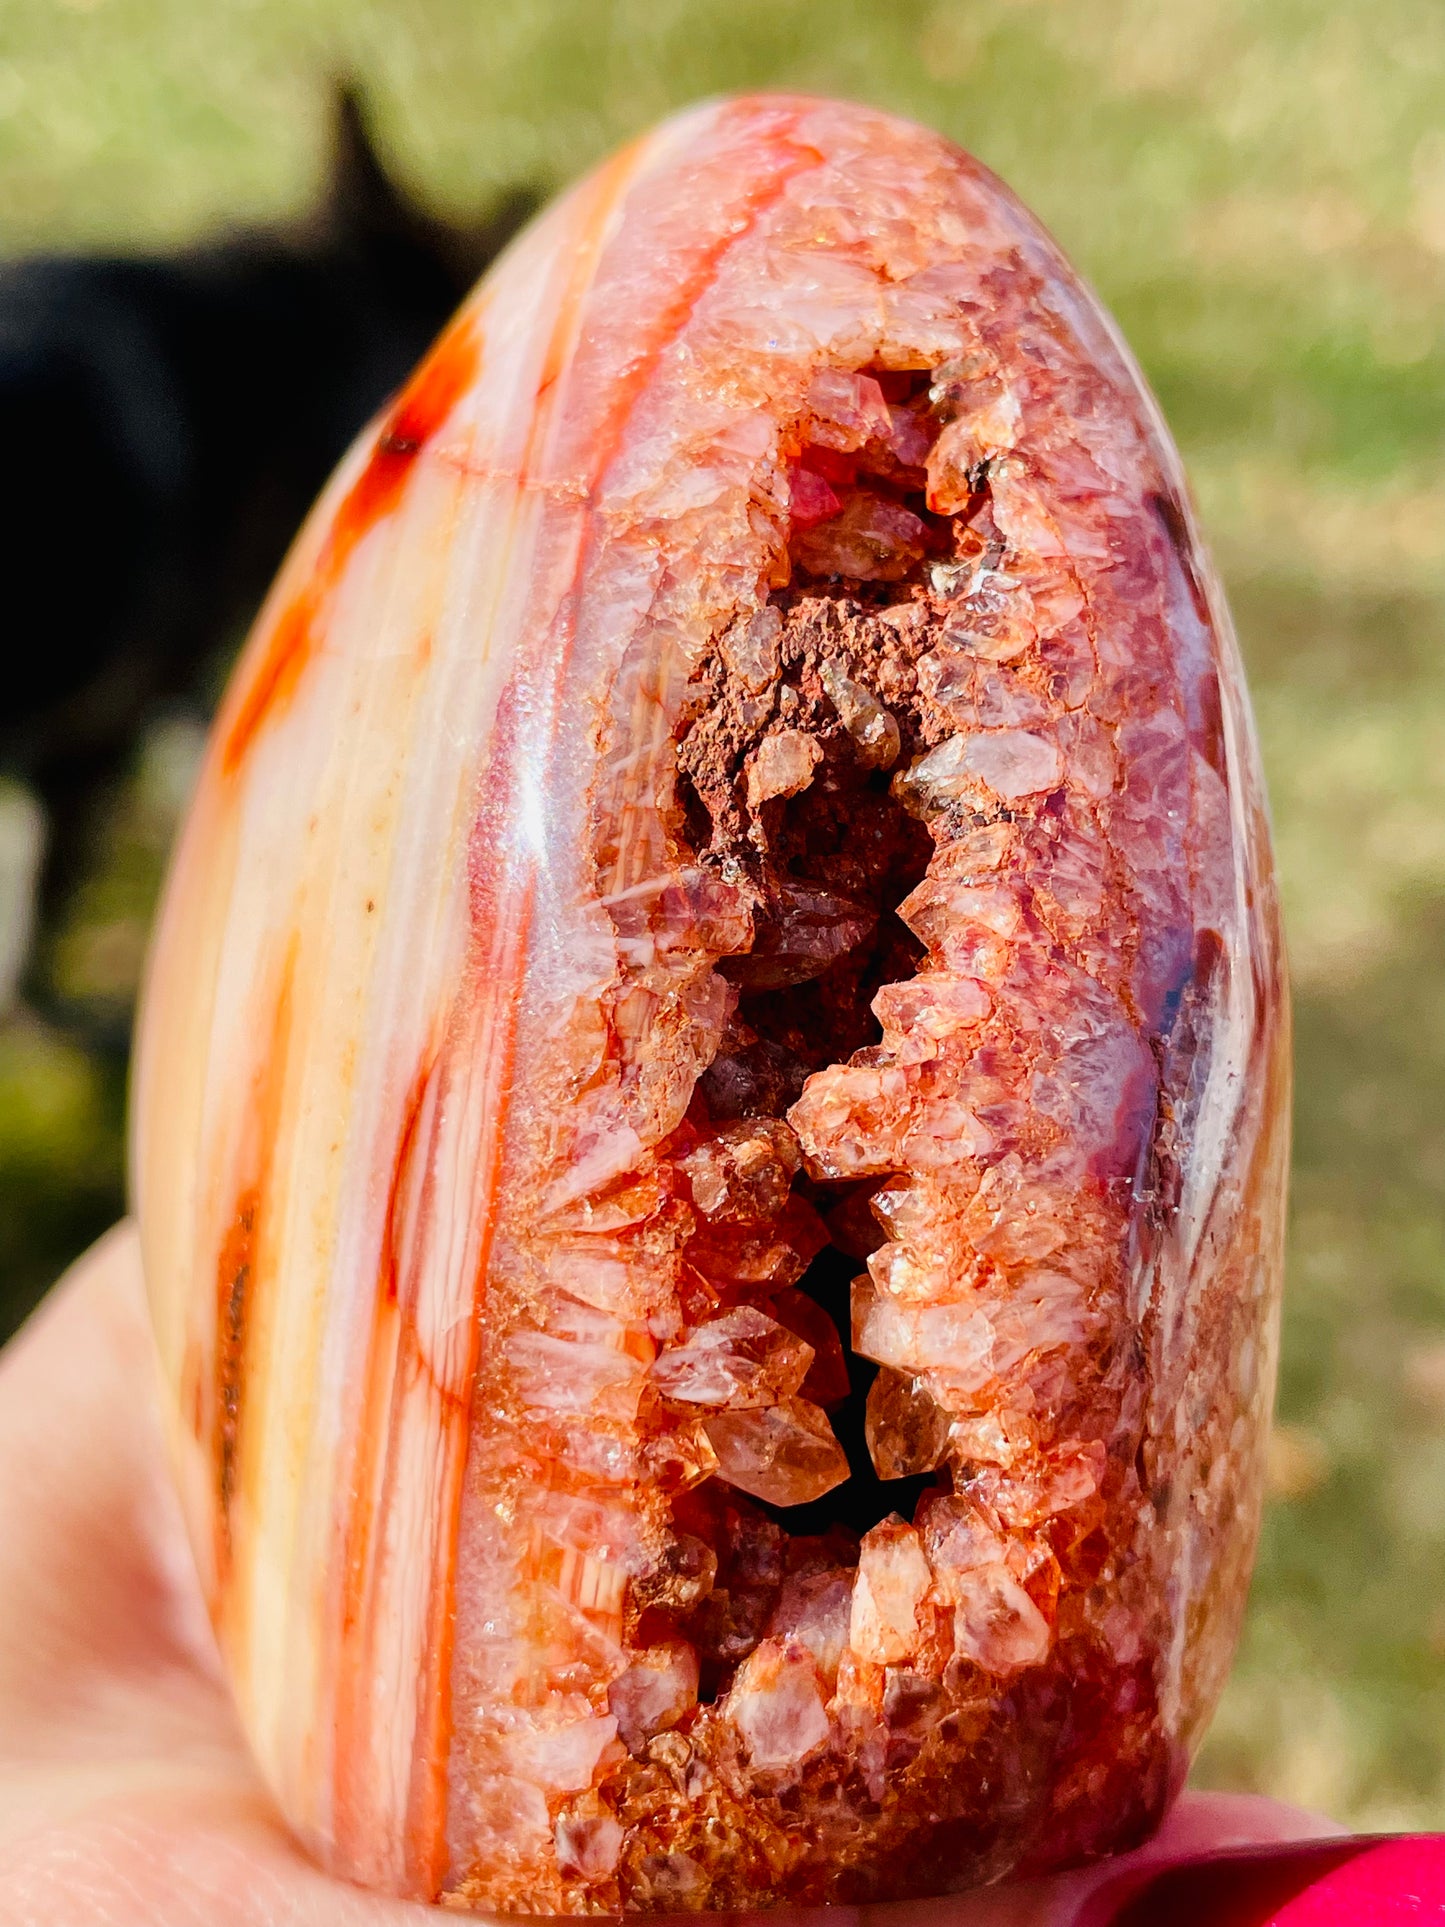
(711, 1112)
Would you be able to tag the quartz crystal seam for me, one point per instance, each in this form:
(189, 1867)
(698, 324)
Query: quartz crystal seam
(713, 1089)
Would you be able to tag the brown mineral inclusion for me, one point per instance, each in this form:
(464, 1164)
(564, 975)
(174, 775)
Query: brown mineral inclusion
(762, 1243)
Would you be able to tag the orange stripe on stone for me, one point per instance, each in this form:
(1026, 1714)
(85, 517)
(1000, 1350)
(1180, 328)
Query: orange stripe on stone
(423, 408)
(237, 1266)
(364, 1527)
(763, 193)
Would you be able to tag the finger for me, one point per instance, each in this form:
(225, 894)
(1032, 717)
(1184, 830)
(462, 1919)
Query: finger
(106, 1635)
(126, 1792)
(105, 1632)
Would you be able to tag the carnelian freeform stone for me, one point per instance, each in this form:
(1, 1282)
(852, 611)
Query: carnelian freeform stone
(711, 1117)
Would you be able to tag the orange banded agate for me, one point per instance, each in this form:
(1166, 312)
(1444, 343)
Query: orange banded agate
(712, 1097)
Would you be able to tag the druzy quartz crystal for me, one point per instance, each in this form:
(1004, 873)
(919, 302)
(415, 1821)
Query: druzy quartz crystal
(711, 1111)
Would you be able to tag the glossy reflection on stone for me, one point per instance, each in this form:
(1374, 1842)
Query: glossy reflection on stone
(711, 1114)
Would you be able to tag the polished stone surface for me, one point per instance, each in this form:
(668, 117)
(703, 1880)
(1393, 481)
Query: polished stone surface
(744, 785)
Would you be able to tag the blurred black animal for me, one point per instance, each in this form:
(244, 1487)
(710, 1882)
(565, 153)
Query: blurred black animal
(165, 421)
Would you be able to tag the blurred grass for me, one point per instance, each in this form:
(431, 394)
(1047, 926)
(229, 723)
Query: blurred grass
(1258, 189)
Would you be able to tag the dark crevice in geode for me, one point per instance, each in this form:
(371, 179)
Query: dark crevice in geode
(797, 722)
(864, 1498)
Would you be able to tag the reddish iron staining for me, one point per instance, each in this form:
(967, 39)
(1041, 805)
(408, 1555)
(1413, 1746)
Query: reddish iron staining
(394, 1360)
(422, 408)
(675, 314)
(234, 1272)
(372, 1434)
(778, 163)
(428, 399)
(400, 1179)
(236, 1265)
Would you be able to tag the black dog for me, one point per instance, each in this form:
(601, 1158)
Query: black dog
(164, 423)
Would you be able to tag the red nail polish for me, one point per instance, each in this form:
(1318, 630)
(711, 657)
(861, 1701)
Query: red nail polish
(1366, 1881)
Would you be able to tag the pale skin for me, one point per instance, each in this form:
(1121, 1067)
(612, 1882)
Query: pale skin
(126, 1793)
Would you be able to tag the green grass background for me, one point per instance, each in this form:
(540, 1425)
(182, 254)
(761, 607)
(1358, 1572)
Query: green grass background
(1257, 187)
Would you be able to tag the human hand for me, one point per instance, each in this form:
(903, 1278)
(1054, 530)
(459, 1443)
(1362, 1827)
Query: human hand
(126, 1791)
